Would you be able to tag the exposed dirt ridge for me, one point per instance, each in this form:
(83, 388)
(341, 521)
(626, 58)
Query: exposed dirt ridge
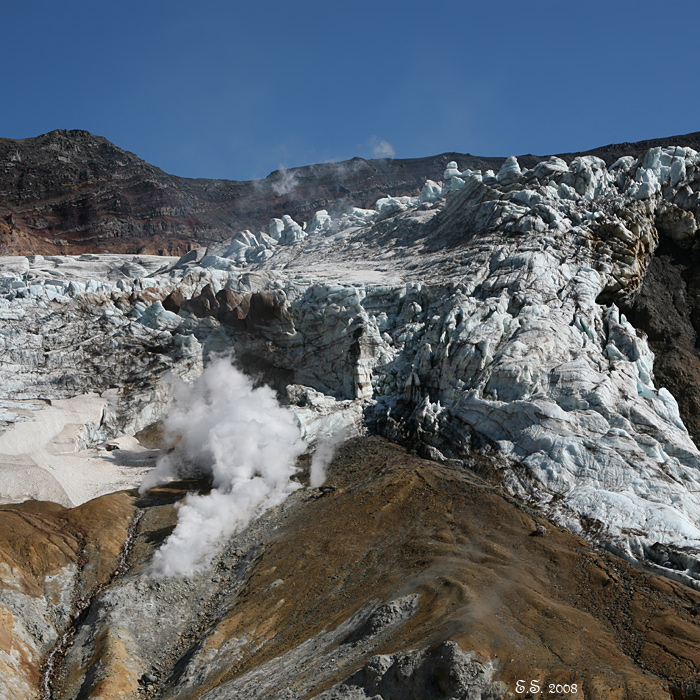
(70, 192)
(54, 661)
(331, 596)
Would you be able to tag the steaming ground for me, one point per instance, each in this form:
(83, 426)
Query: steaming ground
(326, 446)
(223, 428)
(403, 555)
(497, 338)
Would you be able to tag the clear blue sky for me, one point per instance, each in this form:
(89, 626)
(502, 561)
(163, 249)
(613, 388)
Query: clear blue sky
(235, 90)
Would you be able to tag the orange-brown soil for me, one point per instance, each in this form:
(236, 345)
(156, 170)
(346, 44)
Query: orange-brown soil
(548, 607)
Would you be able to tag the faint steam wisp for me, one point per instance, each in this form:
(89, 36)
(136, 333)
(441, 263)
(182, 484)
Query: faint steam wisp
(285, 183)
(223, 427)
(382, 148)
(323, 455)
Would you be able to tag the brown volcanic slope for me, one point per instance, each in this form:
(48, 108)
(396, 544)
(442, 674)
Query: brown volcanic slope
(69, 192)
(37, 541)
(547, 607)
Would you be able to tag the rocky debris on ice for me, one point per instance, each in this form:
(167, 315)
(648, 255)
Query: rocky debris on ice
(480, 314)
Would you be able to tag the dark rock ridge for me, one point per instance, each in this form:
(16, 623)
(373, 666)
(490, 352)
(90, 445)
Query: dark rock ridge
(667, 309)
(70, 192)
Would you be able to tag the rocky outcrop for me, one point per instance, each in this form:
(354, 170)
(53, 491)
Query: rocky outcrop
(444, 672)
(667, 309)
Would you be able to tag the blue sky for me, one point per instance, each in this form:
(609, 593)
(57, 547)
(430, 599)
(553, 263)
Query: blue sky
(236, 90)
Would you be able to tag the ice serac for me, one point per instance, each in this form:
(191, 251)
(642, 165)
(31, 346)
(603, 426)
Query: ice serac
(504, 334)
(482, 315)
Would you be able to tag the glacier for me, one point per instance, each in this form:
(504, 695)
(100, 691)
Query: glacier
(480, 316)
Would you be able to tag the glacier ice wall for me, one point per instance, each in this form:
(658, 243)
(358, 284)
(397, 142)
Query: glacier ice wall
(480, 314)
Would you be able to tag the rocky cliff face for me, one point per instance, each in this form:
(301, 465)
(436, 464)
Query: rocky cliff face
(500, 324)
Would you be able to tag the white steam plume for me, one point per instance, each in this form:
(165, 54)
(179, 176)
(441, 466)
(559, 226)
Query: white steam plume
(325, 449)
(239, 435)
(286, 183)
(382, 148)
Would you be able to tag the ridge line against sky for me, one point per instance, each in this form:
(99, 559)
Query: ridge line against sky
(236, 90)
